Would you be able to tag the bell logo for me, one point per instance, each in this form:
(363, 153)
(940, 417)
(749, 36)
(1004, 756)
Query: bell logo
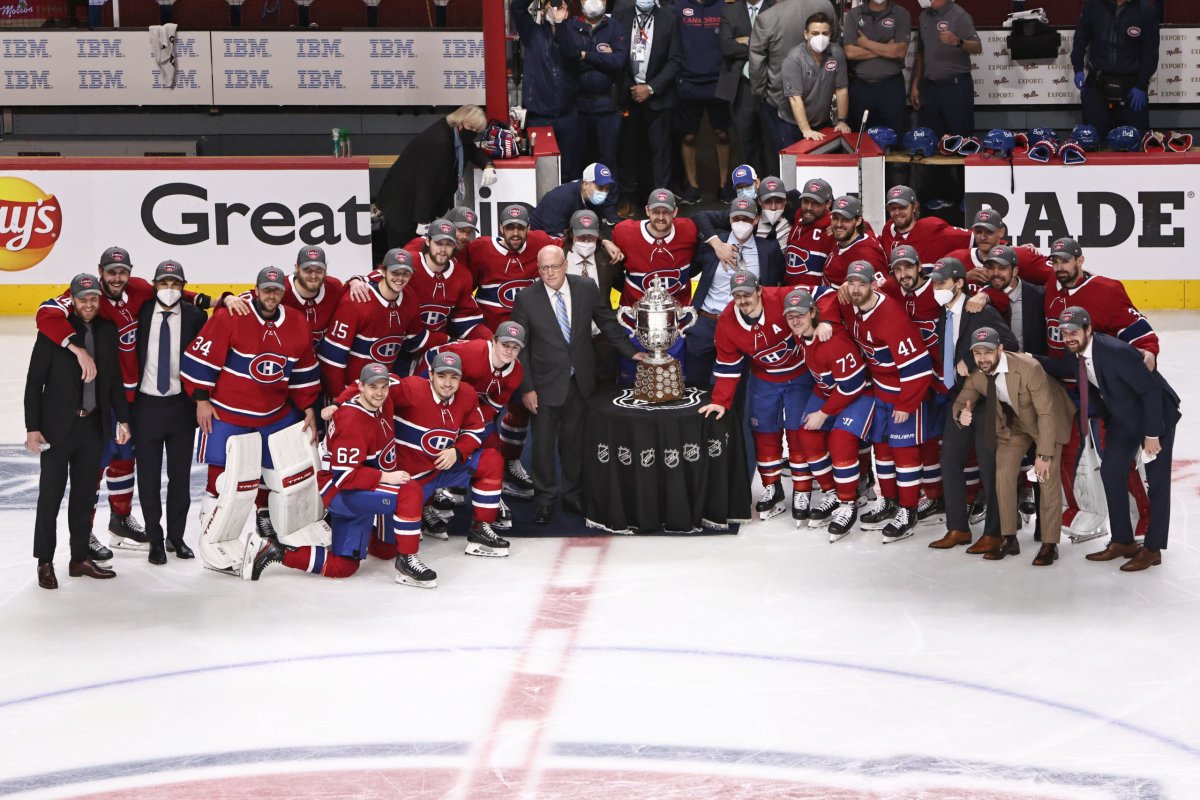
(30, 224)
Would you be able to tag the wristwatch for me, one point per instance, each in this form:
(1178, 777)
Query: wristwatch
(960, 43)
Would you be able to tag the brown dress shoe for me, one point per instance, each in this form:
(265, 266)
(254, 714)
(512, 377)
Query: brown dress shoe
(1047, 554)
(1009, 546)
(1113, 551)
(46, 578)
(89, 569)
(1142, 559)
(986, 544)
(951, 539)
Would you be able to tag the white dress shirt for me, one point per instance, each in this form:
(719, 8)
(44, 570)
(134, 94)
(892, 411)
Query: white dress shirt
(1016, 312)
(1001, 381)
(641, 40)
(719, 296)
(575, 266)
(149, 383)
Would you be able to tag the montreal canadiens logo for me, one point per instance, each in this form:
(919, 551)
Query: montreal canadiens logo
(434, 316)
(267, 368)
(943, 26)
(771, 186)
(515, 213)
(814, 187)
(605, 47)
(117, 256)
(445, 227)
(386, 349)
(661, 197)
(585, 222)
(670, 275)
(831, 65)
(512, 330)
(743, 205)
(689, 12)
(888, 22)
(387, 459)
(1133, 31)
(313, 255)
(435, 441)
(775, 354)
(981, 336)
(127, 340)
(30, 224)
(797, 260)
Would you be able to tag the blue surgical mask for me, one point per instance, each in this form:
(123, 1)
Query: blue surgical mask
(598, 198)
(747, 192)
(645, 6)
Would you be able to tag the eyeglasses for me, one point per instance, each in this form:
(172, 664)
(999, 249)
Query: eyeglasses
(552, 267)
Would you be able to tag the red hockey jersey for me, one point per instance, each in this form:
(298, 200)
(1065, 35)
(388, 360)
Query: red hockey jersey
(865, 248)
(361, 447)
(494, 387)
(838, 369)
(647, 256)
(500, 273)
(375, 330)
(923, 310)
(933, 238)
(252, 367)
(897, 361)
(767, 342)
(807, 251)
(425, 426)
(1111, 309)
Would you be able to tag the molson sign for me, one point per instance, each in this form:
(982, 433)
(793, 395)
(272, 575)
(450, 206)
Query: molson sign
(30, 224)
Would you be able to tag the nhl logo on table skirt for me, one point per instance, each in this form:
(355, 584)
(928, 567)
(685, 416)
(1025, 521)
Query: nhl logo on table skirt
(714, 448)
(624, 456)
(648, 457)
(671, 458)
(691, 452)
(602, 453)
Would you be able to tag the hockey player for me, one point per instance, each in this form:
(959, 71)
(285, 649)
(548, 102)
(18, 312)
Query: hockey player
(838, 415)
(901, 373)
(809, 243)
(661, 246)
(382, 328)
(853, 242)
(121, 301)
(359, 485)
(466, 230)
(932, 237)
(988, 230)
(253, 374)
(752, 328)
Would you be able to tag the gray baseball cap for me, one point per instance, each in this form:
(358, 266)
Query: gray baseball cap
(169, 269)
(901, 195)
(84, 284)
(1065, 247)
(1002, 254)
(986, 338)
(511, 332)
(798, 300)
(741, 207)
(311, 256)
(904, 252)
(1075, 318)
(988, 218)
(661, 198)
(771, 186)
(860, 271)
(397, 259)
(743, 281)
(446, 362)
(371, 373)
(514, 215)
(270, 278)
(847, 206)
(817, 189)
(585, 223)
(115, 256)
(464, 217)
(947, 268)
(442, 230)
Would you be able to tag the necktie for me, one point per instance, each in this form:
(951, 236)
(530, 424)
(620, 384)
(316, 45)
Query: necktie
(89, 388)
(164, 354)
(1083, 399)
(948, 352)
(564, 322)
(584, 266)
(753, 16)
(989, 414)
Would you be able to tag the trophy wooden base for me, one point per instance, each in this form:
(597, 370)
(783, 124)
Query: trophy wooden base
(658, 383)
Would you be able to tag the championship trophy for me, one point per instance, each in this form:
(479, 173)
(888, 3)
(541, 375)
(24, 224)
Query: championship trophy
(657, 326)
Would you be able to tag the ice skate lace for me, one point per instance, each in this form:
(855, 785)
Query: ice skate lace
(517, 470)
(843, 514)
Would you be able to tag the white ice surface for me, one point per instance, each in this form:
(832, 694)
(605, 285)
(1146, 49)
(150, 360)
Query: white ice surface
(770, 659)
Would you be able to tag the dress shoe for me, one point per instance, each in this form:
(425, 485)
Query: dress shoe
(158, 553)
(951, 539)
(1113, 551)
(1047, 554)
(1142, 559)
(986, 544)
(1009, 546)
(88, 569)
(180, 549)
(543, 515)
(46, 578)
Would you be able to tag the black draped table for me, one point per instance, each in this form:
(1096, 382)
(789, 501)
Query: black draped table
(662, 468)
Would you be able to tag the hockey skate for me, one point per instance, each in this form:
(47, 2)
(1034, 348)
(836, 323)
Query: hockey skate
(127, 534)
(770, 504)
(411, 571)
(842, 521)
(433, 524)
(931, 512)
(819, 514)
(800, 506)
(483, 541)
(902, 526)
(503, 517)
(878, 517)
(517, 482)
(98, 551)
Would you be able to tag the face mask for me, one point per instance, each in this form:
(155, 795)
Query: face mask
(742, 230)
(585, 249)
(747, 193)
(645, 6)
(818, 43)
(772, 215)
(598, 198)
(925, 3)
(593, 8)
(943, 296)
(169, 297)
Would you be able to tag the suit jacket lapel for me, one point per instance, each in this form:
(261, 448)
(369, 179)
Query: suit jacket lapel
(1012, 382)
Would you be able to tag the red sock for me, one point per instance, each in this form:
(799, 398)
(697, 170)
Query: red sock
(797, 463)
(931, 468)
(843, 451)
(214, 472)
(768, 449)
(885, 470)
(816, 453)
(908, 475)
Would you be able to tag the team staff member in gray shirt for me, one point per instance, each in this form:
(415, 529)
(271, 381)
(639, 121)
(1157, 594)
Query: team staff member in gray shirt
(814, 74)
(776, 31)
(942, 90)
(876, 43)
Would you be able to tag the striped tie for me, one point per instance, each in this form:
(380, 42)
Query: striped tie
(564, 322)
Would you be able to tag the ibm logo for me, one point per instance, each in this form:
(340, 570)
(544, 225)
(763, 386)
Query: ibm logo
(319, 48)
(184, 79)
(99, 48)
(462, 79)
(26, 48)
(27, 79)
(462, 48)
(185, 48)
(391, 79)
(248, 79)
(392, 48)
(319, 79)
(246, 48)
(101, 79)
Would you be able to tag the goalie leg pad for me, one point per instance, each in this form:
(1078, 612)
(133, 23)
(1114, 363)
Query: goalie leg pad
(223, 517)
(297, 512)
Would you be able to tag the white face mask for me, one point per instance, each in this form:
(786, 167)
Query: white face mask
(169, 297)
(925, 3)
(585, 249)
(742, 229)
(772, 215)
(943, 296)
(593, 8)
(818, 43)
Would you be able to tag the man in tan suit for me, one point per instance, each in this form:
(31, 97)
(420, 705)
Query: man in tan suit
(1029, 409)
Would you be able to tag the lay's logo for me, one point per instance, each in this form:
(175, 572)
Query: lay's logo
(30, 224)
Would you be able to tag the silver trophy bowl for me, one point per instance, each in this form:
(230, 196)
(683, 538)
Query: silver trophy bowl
(658, 321)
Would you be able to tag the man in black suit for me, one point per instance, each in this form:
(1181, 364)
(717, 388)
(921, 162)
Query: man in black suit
(647, 95)
(164, 415)
(757, 254)
(63, 422)
(1027, 309)
(954, 362)
(1140, 411)
(558, 312)
(733, 84)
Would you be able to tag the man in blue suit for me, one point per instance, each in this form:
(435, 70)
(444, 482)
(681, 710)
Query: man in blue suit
(1140, 410)
(758, 254)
